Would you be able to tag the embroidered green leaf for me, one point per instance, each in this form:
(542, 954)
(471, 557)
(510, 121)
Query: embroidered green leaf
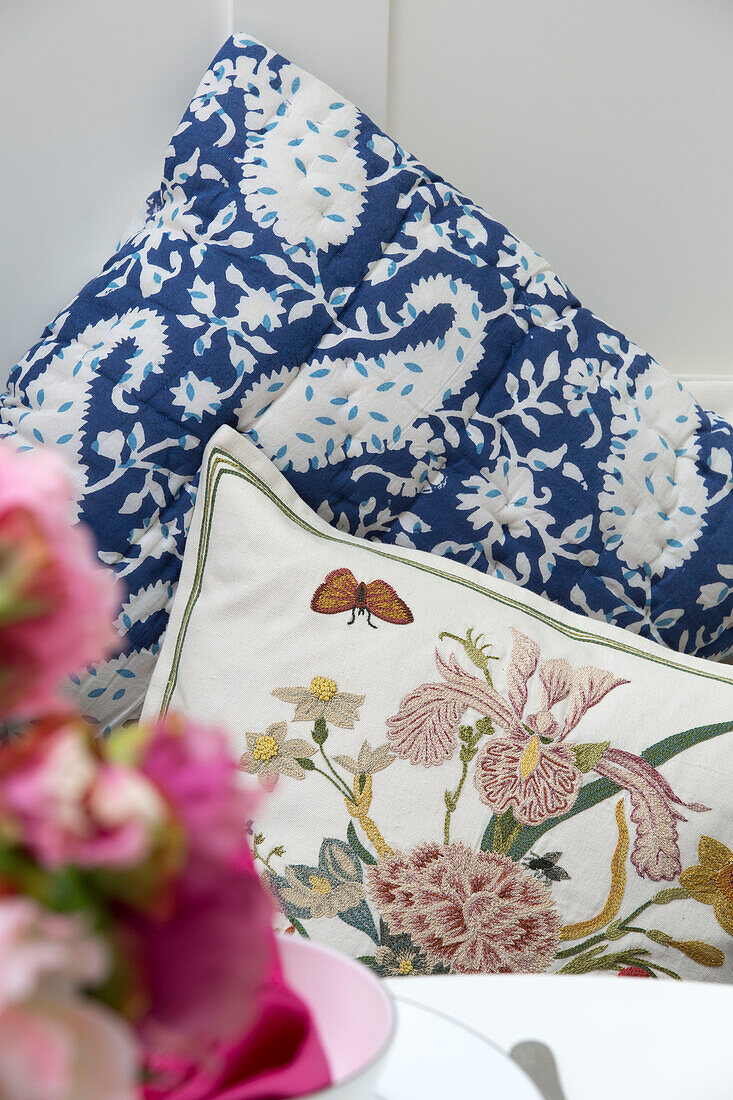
(299, 928)
(356, 844)
(306, 764)
(658, 936)
(320, 731)
(587, 756)
(485, 727)
(601, 789)
(674, 893)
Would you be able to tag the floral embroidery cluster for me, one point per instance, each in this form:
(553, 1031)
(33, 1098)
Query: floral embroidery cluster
(445, 907)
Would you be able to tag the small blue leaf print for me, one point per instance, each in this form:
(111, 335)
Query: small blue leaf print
(353, 411)
(96, 693)
(335, 218)
(326, 156)
(377, 442)
(396, 433)
(300, 166)
(126, 673)
(40, 396)
(295, 85)
(327, 420)
(320, 373)
(64, 438)
(385, 386)
(305, 438)
(335, 106)
(308, 393)
(649, 484)
(407, 389)
(118, 694)
(414, 367)
(38, 435)
(66, 406)
(361, 369)
(322, 191)
(378, 416)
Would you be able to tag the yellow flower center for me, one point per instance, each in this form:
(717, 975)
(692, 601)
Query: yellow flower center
(529, 757)
(724, 881)
(323, 688)
(320, 885)
(266, 748)
(405, 966)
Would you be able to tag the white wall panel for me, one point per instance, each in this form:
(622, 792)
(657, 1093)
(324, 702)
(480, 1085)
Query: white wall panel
(600, 132)
(90, 93)
(343, 42)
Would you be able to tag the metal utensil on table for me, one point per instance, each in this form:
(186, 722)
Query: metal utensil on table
(538, 1062)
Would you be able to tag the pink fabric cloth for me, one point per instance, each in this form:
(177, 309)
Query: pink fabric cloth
(279, 1057)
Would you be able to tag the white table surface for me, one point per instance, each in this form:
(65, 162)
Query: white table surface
(613, 1038)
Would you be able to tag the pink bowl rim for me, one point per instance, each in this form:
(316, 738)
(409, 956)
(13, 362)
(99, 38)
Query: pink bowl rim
(365, 972)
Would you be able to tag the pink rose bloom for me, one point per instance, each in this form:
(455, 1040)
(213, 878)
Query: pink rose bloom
(204, 956)
(54, 1043)
(72, 806)
(57, 603)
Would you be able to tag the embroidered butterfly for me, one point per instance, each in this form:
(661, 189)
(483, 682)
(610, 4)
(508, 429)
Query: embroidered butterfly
(342, 592)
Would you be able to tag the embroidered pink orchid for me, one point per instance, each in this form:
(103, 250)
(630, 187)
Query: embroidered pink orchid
(530, 768)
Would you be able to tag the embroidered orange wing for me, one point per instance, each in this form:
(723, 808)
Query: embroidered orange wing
(336, 594)
(383, 601)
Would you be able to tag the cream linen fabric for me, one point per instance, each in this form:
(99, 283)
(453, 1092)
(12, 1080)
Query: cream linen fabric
(464, 791)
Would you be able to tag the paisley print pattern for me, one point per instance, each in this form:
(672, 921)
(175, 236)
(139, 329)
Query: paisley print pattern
(417, 373)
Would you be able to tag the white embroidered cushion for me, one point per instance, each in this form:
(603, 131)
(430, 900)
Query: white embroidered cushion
(463, 777)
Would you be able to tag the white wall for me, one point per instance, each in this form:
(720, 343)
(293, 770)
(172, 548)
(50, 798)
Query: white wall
(90, 93)
(598, 130)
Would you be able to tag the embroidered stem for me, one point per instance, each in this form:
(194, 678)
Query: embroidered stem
(469, 739)
(451, 801)
(358, 807)
(618, 885)
(330, 780)
(344, 789)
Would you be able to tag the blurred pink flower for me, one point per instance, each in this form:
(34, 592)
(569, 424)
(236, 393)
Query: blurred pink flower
(204, 956)
(472, 912)
(55, 1044)
(71, 806)
(57, 603)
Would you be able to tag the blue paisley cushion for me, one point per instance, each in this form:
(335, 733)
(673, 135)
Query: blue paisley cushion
(418, 374)
(462, 776)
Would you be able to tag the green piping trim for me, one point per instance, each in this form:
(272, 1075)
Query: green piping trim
(220, 463)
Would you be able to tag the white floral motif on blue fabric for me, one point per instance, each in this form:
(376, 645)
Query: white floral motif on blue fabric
(419, 375)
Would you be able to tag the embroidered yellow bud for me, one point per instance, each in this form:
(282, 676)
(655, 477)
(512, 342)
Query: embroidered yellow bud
(405, 966)
(320, 885)
(266, 748)
(703, 953)
(323, 688)
(530, 756)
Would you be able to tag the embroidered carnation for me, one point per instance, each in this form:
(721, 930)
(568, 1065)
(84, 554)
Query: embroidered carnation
(472, 912)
